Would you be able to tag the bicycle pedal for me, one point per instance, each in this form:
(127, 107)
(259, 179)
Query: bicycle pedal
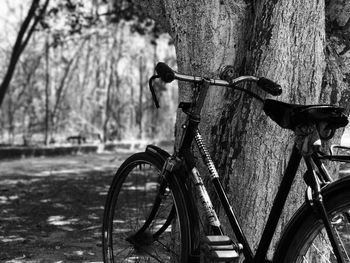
(222, 255)
(222, 247)
(219, 248)
(217, 240)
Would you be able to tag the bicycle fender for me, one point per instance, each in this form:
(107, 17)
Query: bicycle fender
(157, 152)
(299, 216)
(192, 209)
(191, 205)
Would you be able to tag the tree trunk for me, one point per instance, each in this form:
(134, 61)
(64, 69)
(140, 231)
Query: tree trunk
(141, 68)
(281, 40)
(47, 93)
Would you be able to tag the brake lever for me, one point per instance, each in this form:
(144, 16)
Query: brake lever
(154, 97)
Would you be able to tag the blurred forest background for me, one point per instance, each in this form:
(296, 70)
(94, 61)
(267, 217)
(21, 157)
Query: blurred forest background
(83, 72)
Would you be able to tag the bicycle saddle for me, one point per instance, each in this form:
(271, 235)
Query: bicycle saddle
(289, 116)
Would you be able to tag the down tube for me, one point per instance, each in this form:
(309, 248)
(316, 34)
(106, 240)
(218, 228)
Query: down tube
(278, 205)
(223, 197)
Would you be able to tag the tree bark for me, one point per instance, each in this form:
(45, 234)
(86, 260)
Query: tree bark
(285, 41)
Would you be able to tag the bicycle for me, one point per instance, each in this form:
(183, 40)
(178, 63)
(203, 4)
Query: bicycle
(166, 228)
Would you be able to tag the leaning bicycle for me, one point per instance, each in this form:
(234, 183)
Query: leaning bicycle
(151, 214)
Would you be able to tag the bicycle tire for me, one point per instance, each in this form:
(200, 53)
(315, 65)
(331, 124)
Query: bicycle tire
(305, 239)
(123, 243)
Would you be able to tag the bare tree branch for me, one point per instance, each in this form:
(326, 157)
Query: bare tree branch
(22, 40)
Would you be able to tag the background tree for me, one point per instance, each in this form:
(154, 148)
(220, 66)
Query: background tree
(294, 43)
(84, 76)
(34, 16)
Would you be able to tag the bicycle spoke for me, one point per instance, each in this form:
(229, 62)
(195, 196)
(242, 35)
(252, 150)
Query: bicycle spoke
(152, 256)
(128, 255)
(342, 244)
(157, 257)
(305, 259)
(320, 248)
(168, 248)
(321, 254)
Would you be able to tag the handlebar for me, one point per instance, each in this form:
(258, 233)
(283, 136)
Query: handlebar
(166, 74)
(269, 86)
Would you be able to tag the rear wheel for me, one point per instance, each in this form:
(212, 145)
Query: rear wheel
(310, 242)
(143, 220)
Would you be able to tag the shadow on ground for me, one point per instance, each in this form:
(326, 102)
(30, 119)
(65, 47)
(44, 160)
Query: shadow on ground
(51, 208)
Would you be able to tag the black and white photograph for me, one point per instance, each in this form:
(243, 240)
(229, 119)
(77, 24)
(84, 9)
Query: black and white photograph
(174, 131)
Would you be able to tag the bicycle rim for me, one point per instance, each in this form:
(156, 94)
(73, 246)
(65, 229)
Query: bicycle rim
(312, 241)
(133, 229)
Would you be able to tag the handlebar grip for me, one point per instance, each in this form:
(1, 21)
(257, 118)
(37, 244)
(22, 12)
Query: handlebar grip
(165, 72)
(154, 97)
(269, 86)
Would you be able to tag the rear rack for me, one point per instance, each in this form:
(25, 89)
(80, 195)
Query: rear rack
(333, 156)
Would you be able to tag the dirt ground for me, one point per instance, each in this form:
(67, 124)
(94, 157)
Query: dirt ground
(51, 208)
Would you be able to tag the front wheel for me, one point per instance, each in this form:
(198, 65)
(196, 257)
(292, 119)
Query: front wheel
(306, 239)
(143, 220)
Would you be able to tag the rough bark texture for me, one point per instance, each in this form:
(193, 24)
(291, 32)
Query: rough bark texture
(336, 79)
(283, 40)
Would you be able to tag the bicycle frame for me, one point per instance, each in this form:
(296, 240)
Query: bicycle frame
(274, 215)
(191, 133)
